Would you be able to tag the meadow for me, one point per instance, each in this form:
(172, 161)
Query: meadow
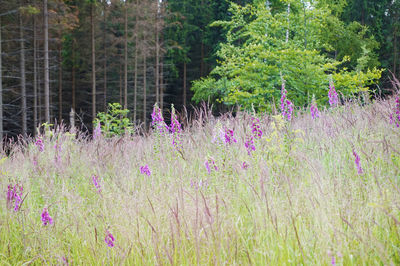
(231, 190)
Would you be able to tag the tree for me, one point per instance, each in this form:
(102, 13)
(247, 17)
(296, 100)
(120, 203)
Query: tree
(256, 56)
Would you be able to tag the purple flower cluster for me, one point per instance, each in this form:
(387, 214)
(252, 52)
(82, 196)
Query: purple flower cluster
(245, 165)
(314, 111)
(210, 164)
(14, 196)
(157, 119)
(109, 239)
(97, 131)
(256, 128)
(333, 96)
(145, 170)
(46, 219)
(96, 183)
(395, 116)
(286, 105)
(39, 143)
(249, 144)
(229, 138)
(357, 162)
(175, 129)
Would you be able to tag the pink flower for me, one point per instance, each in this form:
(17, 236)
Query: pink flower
(46, 219)
(357, 162)
(245, 165)
(333, 97)
(109, 239)
(145, 170)
(314, 111)
(96, 183)
(229, 138)
(39, 143)
(97, 131)
(14, 196)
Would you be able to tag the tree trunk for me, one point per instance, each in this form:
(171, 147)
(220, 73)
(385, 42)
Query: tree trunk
(202, 60)
(93, 63)
(126, 58)
(288, 23)
(60, 73)
(73, 77)
(184, 83)
(144, 87)
(157, 70)
(136, 62)
(162, 87)
(1, 94)
(35, 113)
(120, 85)
(105, 62)
(46, 63)
(23, 77)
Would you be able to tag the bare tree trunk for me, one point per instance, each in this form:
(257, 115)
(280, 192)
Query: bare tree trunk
(126, 58)
(202, 60)
(93, 63)
(35, 113)
(157, 75)
(120, 85)
(144, 87)
(23, 77)
(162, 87)
(288, 22)
(184, 83)
(105, 62)
(60, 73)
(136, 62)
(1, 94)
(46, 63)
(73, 77)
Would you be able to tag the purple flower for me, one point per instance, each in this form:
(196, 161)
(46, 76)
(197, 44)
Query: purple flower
(283, 97)
(145, 170)
(109, 239)
(395, 116)
(333, 260)
(157, 119)
(256, 128)
(46, 219)
(249, 144)
(245, 165)
(175, 129)
(229, 138)
(210, 164)
(357, 162)
(39, 143)
(95, 180)
(333, 97)
(314, 111)
(14, 196)
(197, 185)
(97, 131)
(286, 105)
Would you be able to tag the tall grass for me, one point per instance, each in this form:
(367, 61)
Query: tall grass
(301, 199)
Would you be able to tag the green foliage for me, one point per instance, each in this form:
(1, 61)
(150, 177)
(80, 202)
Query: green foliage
(256, 56)
(115, 121)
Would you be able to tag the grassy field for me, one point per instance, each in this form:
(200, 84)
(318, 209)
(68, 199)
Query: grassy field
(294, 194)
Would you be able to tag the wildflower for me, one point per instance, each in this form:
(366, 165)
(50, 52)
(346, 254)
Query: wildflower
(39, 143)
(175, 129)
(109, 239)
(95, 180)
(314, 111)
(145, 170)
(157, 119)
(286, 105)
(395, 117)
(46, 219)
(210, 164)
(14, 196)
(249, 144)
(357, 162)
(197, 185)
(333, 97)
(229, 138)
(97, 131)
(283, 97)
(58, 149)
(256, 128)
(245, 165)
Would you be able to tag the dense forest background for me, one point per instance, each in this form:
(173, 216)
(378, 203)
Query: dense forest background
(58, 55)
